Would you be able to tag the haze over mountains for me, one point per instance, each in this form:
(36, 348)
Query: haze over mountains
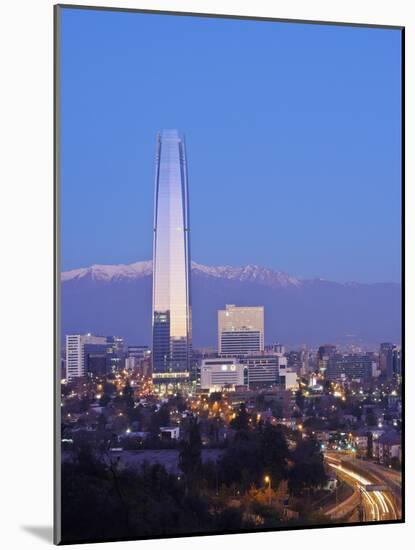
(116, 300)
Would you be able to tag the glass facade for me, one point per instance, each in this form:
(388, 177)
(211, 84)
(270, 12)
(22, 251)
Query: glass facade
(171, 258)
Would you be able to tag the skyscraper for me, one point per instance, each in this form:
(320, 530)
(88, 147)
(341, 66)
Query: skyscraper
(387, 359)
(77, 348)
(172, 326)
(240, 330)
(324, 353)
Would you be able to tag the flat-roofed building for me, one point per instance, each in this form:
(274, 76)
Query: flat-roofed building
(350, 366)
(240, 330)
(76, 357)
(139, 352)
(218, 374)
(263, 370)
(289, 380)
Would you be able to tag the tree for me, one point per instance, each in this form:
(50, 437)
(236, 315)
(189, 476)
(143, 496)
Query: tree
(229, 519)
(213, 426)
(314, 423)
(241, 420)
(101, 423)
(135, 414)
(241, 463)
(109, 388)
(299, 399)
(84, 404)
(215, 396)
(277, 410)
(102, 501)
(270, 515)
(128, 394)
(179, 402)
(252, 455)
(260, 402)
(190, 453)
(105, 399)
(164, 415)
(158, 419)
(274, 453)
(65, 390)
(128, 390)
(308, 471)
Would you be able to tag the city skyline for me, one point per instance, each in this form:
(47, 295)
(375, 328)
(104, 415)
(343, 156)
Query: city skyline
(206, 400)
(335, 144)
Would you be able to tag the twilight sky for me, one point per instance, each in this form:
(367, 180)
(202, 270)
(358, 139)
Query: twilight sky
(293, 141)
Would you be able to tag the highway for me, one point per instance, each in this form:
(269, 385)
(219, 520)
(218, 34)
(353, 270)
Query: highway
(377, 491)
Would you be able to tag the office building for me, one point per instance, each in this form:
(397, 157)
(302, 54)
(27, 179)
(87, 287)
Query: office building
(351, 366)
(263, 370)
(240, 330)
(97, 361)
(288, 376)
(218, 374)
(289, 380)
(298, 361)
(117, 344)
(138, 357)
(324, 353)
(172, 326)
(266, 371)
(76, 356)
(131, 363)
(295, 360)
(138, 352)
(115, 352)
(386, 359)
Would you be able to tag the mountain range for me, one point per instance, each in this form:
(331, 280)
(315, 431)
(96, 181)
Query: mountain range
(116, 300)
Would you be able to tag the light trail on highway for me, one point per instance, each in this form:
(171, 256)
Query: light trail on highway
(377, 504)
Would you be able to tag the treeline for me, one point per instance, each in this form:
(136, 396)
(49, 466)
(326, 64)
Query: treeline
(103, 501)
(260, 450)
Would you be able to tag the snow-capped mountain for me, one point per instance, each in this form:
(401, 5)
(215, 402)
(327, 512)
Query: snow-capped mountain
(248, 273)
(116, 299)
(99, 272)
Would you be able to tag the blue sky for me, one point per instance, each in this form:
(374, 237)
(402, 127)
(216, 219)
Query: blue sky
(293, 139)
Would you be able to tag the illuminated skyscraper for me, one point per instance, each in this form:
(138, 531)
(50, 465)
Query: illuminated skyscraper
(172, 326)
(240, 330)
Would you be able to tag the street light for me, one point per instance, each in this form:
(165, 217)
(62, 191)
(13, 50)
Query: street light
(267, 479)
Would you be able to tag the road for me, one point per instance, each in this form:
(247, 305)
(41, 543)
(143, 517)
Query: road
(377, 490)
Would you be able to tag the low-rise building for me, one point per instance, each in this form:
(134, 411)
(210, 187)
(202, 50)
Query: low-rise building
(221, 373)
(388, 448)
(170, 432)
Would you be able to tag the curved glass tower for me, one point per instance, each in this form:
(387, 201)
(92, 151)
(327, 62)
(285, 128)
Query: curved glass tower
(171, 257)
